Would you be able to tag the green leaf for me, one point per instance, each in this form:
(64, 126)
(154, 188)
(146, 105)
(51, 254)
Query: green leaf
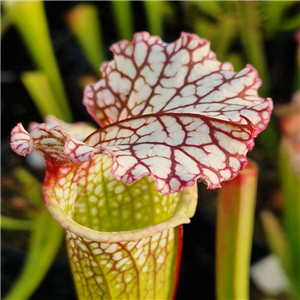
(83, 20)
(123, 17)
(206, 29)
(226, 33)
(277, 240)
(31, 188)
(291, 23)
(155, 16)
(39, 88)
(30, 20)
(290, 183)
(235, 218)
(252, 41)
(16, 224)
(236, 60)
(45, 241)
(211, 8)
(273, 13)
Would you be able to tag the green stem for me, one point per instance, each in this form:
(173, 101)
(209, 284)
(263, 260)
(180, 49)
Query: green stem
(16, 224)
(31, 188)
(124, 18)
(155, 16)
(83, 20)
(252, 40)
(290, 183)
(38, 86)
(30, 20)
(277, 241)
(226, 33)
(44, 243)
(235, 219)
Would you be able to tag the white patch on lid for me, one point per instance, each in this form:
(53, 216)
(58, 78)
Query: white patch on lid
(185, 164)
(199, 53)
(144, 93)
(192, 44)
(211, 175)
(214, 157)
(175, 185)
(139, 84)
(105, 97)
(127, 161)
(231, 145)
(182, 56)
(234, 163)
(113, 81)
(140, 53)
(226, 174)
(188, 90)
(124, 133)
(152, 126)
(252, 115)
(166, 93)
(158, 166)
(124, 86)
(198, 137)
(97, 85)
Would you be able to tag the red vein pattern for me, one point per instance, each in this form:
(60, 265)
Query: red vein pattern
(172, 111)
(54, 143)
(129, 245)
(141, 269)
(175, 149)
(148, 76)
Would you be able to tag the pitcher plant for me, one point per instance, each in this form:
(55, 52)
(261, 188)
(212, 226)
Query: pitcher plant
(169, 115)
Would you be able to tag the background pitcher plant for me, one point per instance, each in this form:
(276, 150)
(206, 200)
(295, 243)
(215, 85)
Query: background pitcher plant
(169, 115)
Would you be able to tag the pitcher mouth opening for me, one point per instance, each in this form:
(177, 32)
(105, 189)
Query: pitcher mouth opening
(111, 211)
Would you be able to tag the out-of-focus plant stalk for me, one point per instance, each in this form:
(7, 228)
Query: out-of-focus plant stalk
(284, 239)
(235, 217)
(277, 240)
(30, 20)
(45, 240)
(155, 16)
(83, 20)
(31, 188)
(252, 40)
(226, 33)
(210, 8)
(290, 183)
(39, 88)
(123, 16)
(16, 224)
